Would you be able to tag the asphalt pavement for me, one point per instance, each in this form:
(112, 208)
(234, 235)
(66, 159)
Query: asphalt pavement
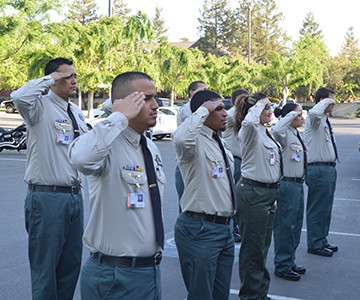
(331, 278)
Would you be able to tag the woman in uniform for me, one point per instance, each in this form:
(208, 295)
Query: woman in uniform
(290, 203)
(256, 192)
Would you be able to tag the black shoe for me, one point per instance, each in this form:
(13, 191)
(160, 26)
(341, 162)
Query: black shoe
(321, 252)
(332, 247)
(299, 269)
(288, 275)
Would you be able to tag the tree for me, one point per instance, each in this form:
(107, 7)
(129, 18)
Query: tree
(308, 65)
(120, 9)
(311, 27)
(265, 34)
(99, 55)
(21, 30)
(174, 64)
(159, 26)
(83, 11)
(214, 26)
(350, 47)
(138, 29)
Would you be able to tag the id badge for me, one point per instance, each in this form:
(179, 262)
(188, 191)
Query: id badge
(272, 158)
(135, 200)
(63, 138)
(217, 171)
(296, 157)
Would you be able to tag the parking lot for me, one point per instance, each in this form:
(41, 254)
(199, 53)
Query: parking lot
(332, 278)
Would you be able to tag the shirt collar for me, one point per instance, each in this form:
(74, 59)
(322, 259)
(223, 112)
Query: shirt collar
(132, 137)
(58, 100)
(208, 132)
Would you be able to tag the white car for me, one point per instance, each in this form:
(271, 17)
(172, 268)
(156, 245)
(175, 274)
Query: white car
(165, 122)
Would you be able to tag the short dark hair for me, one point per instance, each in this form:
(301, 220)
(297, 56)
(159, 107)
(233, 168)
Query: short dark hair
(122, 84)
(202, 96)
(322, 93)
(194, 85)
(288, 107)
(54, 64)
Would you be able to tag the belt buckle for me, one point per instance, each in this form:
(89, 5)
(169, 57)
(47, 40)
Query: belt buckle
(157, 258)
(75, 188)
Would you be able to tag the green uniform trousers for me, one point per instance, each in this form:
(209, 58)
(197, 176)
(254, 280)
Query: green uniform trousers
(288, 224)
(54, 222)
(206, 254)
(255, 214)
(321, 182)
(100, 281)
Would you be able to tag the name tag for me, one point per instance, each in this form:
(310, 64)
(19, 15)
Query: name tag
(135, 200)
(63, 138)
(272, 158)
(296, 157)
(217, 171)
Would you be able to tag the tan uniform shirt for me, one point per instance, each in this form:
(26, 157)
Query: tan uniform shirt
(46, 117)
(317, 135)
(112, 157)
(229, 135)
(197, 154)
(260, 155)
(292, 149)
(183, 113)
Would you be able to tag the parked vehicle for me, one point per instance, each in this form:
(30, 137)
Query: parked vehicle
(13, 139)
(165, 122)
(228, 104)
(9, 106)
(163, 101)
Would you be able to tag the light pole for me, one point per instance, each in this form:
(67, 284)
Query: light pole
(110, 5)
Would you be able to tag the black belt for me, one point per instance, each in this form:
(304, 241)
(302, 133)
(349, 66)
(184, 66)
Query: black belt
(294, 179)
(207, 217)
(127, 261)
(322, 163)
(273, 185)
(237, 157)
(55, 188)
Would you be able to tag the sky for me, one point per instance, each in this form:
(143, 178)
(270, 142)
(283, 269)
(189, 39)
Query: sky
(181, 17)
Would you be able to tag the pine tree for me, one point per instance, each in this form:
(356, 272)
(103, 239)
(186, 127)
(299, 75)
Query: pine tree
(311, 27)
(350, 47)
(120, 9)
(159, 26)
(214, 26)
(84, 11)
(266, 34)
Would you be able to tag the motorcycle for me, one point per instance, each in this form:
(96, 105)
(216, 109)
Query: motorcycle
(13, 139)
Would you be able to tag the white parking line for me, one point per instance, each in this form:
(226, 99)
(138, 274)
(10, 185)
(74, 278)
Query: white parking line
(340, 233)
(346, 199)
(355, 179)
(273, 297)
(13, 159)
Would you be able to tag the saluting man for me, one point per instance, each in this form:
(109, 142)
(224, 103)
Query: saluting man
(125, 234)
(54, 205)
(203, 232)
(321, 174)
